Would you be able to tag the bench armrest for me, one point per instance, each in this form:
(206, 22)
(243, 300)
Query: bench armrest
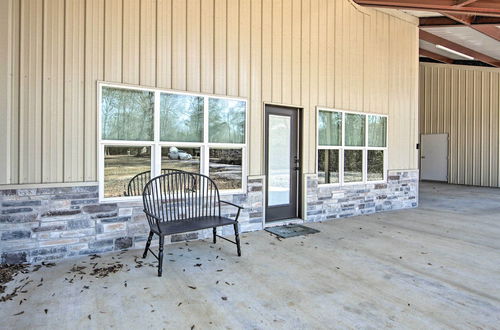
(229, 203)
(158, 220)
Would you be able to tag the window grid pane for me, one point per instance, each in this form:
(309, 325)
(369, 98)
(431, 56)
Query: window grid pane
(127, 115)
(375, 165)
(124, 165)
(225, 168)
(377, 131)
(226, 121)
(354, 130)
(353, 165)
(328, 166)
(181, 118)
(330, 128)
(181, 158)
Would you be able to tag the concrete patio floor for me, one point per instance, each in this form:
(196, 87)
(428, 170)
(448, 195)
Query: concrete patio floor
(437, 266)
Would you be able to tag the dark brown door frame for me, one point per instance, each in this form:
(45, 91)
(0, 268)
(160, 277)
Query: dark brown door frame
(299, 165)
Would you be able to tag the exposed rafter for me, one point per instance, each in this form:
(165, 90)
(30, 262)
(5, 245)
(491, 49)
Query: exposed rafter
(434, 56)
(478, 7)
(436, 40)
(439, 21)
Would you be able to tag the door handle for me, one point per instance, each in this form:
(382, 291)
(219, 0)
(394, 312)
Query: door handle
(422, 157)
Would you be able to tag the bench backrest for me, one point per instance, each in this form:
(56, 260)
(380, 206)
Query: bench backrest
(136, 185)
(179, 196)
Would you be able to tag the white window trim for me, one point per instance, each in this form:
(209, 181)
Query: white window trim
(156, 144)
(343, 147)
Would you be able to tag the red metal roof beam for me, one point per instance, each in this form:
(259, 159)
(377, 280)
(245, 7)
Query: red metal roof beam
(463, 3)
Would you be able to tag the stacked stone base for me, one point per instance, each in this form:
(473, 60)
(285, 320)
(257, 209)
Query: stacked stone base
(44, 224)
(326, 202)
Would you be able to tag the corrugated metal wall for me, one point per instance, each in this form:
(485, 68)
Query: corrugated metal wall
(464, 102)
(297, 52)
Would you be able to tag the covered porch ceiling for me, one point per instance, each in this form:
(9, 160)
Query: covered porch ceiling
(453, 31)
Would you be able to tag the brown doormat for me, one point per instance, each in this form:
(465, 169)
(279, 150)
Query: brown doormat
(291, 231)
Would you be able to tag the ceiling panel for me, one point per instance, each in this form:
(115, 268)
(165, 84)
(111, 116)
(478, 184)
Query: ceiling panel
(468, 37)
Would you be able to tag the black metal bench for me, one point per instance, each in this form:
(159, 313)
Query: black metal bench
(181, 202)
(135, 186)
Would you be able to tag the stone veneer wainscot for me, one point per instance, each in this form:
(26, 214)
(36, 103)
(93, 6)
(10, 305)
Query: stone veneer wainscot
(325, 202)
(42, 224)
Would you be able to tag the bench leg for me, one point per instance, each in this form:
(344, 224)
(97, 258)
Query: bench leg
(148, 244)
(237, 234)
(160, 256)
(215, 234)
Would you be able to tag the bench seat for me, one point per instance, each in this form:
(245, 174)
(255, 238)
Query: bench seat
(193, 224)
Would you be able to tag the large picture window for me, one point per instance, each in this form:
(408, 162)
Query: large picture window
(144, 132)
(352, 147)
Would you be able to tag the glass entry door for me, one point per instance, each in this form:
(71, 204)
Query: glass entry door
(282, 163)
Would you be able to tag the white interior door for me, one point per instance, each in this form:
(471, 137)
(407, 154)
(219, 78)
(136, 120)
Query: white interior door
(434, 157)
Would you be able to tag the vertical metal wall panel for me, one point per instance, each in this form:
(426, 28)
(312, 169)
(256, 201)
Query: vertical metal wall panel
(313, 84)
(467, 108)
(255, 106)
(74, 87)
(113, 40)
(164, 44)
(244, 49)
(53, 91)
(193, 45)
(233, 28)
(5, 87)
(220, 47)
(295, 52)
(131, 30)
(322, 54)
(339, 55)
(307, 139)
(148, 30)
(94, 71)
(286, 59)
(207, 46)
(267, 51)
(276, 43)
(14, 70)
(30, 88)
(494, 129)
(179, 34)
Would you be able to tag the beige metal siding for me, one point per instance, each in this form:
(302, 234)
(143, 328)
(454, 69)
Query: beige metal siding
(464, 102)
(304, 53)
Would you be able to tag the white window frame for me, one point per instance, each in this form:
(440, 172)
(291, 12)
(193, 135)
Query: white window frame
(156, 144)
(343, 147)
